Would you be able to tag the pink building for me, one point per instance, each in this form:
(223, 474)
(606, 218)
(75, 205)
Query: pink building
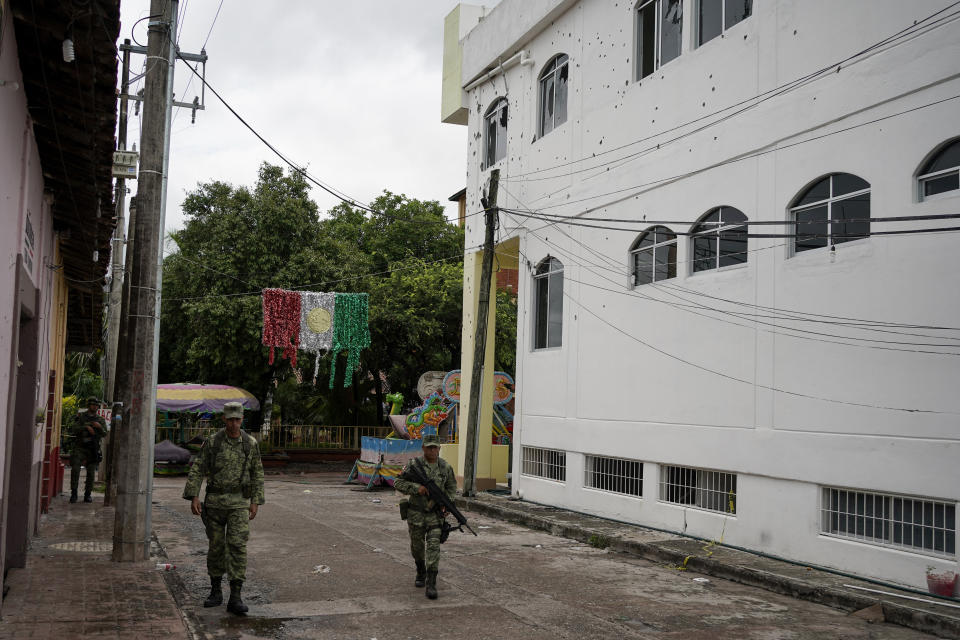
(57, 122)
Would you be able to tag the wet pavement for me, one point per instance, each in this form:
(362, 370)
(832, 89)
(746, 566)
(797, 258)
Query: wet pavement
(328, 560)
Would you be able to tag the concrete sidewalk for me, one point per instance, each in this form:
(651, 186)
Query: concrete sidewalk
(71, 589)
(905, 607)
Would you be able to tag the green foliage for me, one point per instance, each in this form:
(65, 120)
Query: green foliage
(237, 241)
(505, 349)
(81, 378)
(599, 541)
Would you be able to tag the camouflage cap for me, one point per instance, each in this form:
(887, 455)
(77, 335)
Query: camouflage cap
(431, 441)
(232, 410)
(93, 400)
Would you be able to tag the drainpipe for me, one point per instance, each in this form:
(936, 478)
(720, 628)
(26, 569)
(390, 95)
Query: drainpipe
(519, 57)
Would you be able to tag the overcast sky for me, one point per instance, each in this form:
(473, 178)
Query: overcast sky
(349, 89)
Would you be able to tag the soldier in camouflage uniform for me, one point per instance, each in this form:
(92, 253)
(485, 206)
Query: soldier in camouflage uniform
(87, 430)
(423, 519)
(230, 460)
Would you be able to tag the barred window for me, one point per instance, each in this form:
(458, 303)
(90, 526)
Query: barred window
(544, 463)
(617, 475)
(701, 488)
(898, 521)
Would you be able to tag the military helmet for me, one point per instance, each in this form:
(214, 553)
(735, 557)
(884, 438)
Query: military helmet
(431, 441)
(232, 410)
(93, 400)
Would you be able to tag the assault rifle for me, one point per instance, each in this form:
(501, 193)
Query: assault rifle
(440, 498)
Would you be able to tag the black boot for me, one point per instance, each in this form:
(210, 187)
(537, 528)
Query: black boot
(432, 585)
(421, 574)
(215, 599)
(87, 498)
(235, 604)
(73, 496)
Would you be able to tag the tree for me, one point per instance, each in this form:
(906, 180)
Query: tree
(237, 241)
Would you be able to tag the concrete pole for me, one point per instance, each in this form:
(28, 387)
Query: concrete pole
(116, 271)
(480, 339)
(131, 532)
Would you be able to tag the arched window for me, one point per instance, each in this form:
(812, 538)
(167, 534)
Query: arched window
(548, 289)
(834, 209)
(941, 173)
(553, 94)
(495, 133)
(719, 240)
(654, 256)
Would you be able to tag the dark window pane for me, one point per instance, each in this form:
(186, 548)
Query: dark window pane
(643, 267)
(847, 183)
(646, 39)
(501, 150)
(665, 262)
(665, 235)
(542, 301)
(645, 240)
(710, 19)
(948, 158)
(816, 193)
(949, 182)
(811, 229)
(561, 102)
(555, 320)
(490, 156)
(704, 253)
(733, 246)
(850, 219)
(546, 111)
(671, 30)
(737, 10)
(729, 215)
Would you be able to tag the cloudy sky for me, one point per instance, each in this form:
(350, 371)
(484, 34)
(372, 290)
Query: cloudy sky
(349, 89)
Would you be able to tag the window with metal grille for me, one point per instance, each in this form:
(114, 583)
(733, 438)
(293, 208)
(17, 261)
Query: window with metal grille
(544, 463)
(701, 488)
(617, 475)
(898, 521)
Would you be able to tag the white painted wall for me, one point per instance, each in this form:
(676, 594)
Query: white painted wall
(605, 392)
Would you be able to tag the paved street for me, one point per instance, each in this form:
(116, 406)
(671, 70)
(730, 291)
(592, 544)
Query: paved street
(328, 560)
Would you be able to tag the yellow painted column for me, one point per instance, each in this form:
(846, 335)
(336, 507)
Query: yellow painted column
(471, 297)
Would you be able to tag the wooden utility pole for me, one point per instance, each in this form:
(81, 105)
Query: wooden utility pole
(131, 532)
(480, 338)
(117, 280)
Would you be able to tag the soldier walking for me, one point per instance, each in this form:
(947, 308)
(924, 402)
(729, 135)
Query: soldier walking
(230, 460)
(424, 517)
(88, 429)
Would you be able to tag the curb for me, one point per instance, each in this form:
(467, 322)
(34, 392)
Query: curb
(943, 626)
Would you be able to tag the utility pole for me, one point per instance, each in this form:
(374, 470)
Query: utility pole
(480, 338)
(131, 532)
(116, 271)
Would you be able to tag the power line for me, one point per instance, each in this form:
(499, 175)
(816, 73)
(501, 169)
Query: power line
(741, 380)
(638, 189)
(759, 98)
(302, 171)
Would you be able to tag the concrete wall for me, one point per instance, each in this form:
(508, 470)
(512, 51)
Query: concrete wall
(671, 376)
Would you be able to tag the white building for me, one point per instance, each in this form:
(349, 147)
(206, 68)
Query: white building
(795, 394)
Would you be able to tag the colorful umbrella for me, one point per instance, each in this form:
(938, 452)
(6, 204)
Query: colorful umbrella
(200, 398)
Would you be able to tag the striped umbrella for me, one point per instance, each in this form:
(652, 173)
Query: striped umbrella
(201, 398)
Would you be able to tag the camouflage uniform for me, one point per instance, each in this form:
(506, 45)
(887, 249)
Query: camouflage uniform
(226, 513)
(85, 450)
(423, 522)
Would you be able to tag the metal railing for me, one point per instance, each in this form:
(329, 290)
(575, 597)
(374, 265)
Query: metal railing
(179, 432)
(308, 436)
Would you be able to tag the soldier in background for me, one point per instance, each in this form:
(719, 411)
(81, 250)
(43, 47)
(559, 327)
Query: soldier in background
(424, 519)
(230, 460)
(87, 431)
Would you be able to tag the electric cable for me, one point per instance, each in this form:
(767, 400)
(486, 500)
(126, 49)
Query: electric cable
(742, 380)
(761, 97)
